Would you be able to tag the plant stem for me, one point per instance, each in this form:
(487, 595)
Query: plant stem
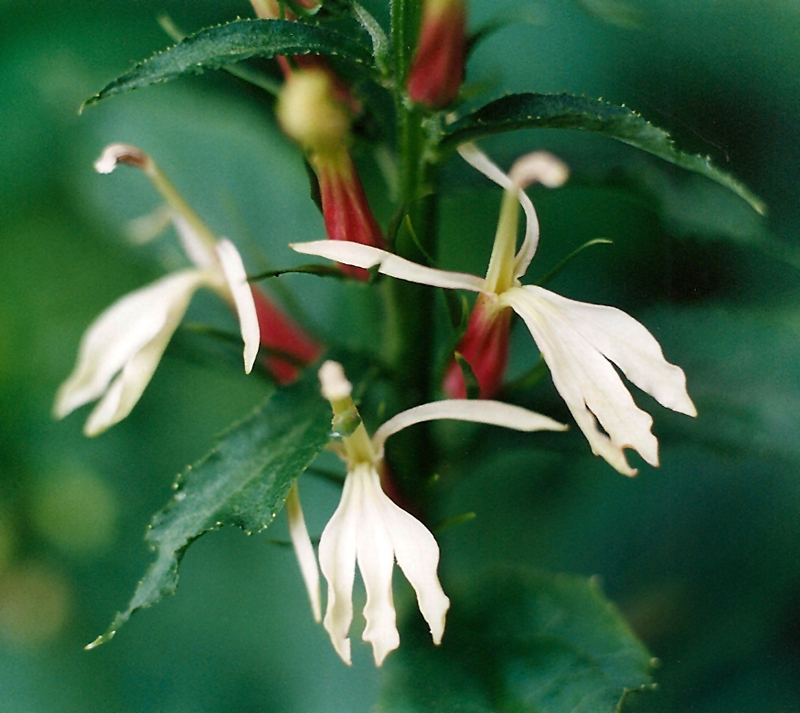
(412, 305)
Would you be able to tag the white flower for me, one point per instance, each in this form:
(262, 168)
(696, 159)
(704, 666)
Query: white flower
(370, 530)
(579, 341)
(121, 349)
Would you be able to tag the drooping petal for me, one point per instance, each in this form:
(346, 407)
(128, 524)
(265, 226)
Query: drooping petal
(417, 555)
(367, 256)
(126, 390)
(495, 413)
(480, 161)
(304, 550)
(196, 238)
(375, 562)
(627, 343)
(144, 317)
(539, 167)
(337, 560)
(236, 279)
(586, 380)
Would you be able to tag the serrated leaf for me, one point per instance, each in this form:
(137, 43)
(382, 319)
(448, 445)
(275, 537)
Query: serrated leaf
(233, 42)
(522, 641)
(243, 481)
(568, 111)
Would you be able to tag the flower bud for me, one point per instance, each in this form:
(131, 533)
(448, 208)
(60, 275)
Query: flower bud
(485, 348)
(311, 114)
(438, 67)
(287, 347)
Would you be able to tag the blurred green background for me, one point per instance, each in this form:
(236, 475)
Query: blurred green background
(702, 555)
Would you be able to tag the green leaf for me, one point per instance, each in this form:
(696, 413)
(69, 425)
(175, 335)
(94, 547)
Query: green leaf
(216, 47)
(522, 641)
(568, 111)
(380, 42)
(243, 481)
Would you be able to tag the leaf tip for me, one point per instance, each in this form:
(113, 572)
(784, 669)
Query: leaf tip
(91, 100)
(100, 640)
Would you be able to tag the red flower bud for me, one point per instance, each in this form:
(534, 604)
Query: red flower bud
(311, 112)
(485, 347)
(288, 348)
(438, 67)
(344, 205)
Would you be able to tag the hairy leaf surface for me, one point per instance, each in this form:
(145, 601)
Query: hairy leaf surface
(233, 42)
(568, 111)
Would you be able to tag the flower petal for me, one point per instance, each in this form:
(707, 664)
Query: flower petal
(124, 329)
(366, 256)
(627, 343)
(480, 161)
(304, 550)
(242, 294)
(376, 562)
(586, 380)
(198, 243)
(418, 556)
(494, 413)
(337, 560)
(528, 248)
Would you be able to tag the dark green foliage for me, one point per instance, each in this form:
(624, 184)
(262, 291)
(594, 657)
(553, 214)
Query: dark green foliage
(243, 481)
(235, 41)
(568, 111)
(521, 641)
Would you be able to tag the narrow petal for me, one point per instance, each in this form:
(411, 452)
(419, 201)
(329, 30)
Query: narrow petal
(528, 248)
(196, 238)
(376, 562)
(479, 160)
(417, 555)
(627, 343)
(494, 413)
(537, 167)
(115, 154)
(198, 244)
(236, 279)
(121, 331)
(304, 550)
(126, 390)
(337, 560)
(587, 382)
(366, 256)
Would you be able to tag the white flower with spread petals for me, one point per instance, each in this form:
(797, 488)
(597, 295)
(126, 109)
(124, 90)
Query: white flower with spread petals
(121, 349)
(580, 342)
(370, 530)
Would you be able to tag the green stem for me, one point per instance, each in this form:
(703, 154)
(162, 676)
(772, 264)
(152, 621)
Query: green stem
(411, 305)
(405, 27)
